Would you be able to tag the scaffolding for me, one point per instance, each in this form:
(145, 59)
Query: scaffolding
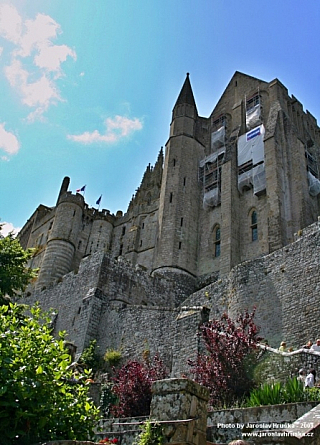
(218, 138)
(313, 174)
(314, 184)
(253, 111)
(210, 177)
(251, 170)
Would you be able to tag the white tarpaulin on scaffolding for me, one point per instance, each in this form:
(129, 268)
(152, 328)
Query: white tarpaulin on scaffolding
(211, 198)
(253, 116)
(212, 157)
(218, 138)
(314, 185)
(251, 158)
(251, 146)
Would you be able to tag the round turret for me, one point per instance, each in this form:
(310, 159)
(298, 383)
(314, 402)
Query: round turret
(61, 245)
(100, 236)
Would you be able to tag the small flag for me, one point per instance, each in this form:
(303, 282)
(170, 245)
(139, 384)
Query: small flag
(99, 200)
(81, 190)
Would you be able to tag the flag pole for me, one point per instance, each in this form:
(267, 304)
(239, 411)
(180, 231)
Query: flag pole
(98, 202)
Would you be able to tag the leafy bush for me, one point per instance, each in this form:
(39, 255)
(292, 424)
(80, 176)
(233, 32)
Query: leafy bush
(151, 434)
(112, 357)
(89, 357)
(292, 391)
(132, 386)
(14, 275)
(225, 367)
(107, 398)
(38, 401)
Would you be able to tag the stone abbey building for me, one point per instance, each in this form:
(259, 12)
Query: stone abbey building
(215, 225)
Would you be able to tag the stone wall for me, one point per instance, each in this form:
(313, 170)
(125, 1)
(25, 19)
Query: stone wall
(279, 366)
(125, 308)
(229, 424)
(283, 286)
(134, 330)
(117, 304)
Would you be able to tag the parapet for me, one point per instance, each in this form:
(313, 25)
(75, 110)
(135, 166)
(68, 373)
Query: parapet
(68, 197)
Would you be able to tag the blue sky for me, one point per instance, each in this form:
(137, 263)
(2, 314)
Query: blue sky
(87, 87)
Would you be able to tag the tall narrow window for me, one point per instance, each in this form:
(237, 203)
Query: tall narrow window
(254, 226)
(181, 222)
(170, 198)
(217, 241)
(121, 249)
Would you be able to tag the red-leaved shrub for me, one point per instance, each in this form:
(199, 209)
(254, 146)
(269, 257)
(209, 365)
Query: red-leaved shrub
(224, 364)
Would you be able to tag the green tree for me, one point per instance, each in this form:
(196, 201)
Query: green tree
(14, 275)
(38, 399)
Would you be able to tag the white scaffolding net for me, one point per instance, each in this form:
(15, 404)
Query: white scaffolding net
(210, 176)
(251, 171)
(218, 138)
(253, 116)
(314, 184)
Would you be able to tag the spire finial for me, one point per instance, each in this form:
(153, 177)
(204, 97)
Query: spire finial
(186, 94)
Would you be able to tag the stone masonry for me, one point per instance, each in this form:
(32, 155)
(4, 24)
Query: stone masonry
(226, 219)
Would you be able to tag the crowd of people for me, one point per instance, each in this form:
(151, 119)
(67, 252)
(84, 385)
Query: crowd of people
(309, 345)
(307, 377)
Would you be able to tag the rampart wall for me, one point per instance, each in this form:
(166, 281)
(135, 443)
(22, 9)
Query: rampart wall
(125, 308)
(284, 286)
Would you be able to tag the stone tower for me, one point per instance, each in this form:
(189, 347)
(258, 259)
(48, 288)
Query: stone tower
(177, 244)
(232, 187)
(63, 236)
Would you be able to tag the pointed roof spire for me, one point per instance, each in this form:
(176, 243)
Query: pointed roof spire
(186, 94)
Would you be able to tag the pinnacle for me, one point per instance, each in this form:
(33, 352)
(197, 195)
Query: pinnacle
(186, 94)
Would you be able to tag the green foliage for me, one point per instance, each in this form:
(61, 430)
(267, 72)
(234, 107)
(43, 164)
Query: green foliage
(151, 434)
(107, 399)
(267, 394)
(14, 275)
(313, 394)
(89, 357)
(292, 391)
(38, 400)
(112, 357)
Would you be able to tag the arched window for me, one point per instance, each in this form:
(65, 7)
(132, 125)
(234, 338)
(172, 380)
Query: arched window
(254, 226)
(216, 241)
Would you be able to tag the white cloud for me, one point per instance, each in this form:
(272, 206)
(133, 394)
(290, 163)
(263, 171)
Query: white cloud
(36, 83)
(116, 129)
(8, 142)
(7, 227)
(51, 57)
(10, 23)
(38, 34)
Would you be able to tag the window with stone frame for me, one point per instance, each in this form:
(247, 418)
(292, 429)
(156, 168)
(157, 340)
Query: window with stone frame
(216, 241)
(254, 225)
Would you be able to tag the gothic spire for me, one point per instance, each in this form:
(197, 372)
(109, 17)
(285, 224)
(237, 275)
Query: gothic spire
(186, 94)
